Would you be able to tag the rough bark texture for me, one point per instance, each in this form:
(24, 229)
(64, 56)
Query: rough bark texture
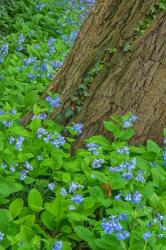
(133, 81)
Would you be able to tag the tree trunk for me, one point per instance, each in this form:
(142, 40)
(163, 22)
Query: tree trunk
(119, 59)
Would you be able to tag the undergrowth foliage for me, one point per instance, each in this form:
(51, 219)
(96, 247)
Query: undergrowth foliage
(109, 194)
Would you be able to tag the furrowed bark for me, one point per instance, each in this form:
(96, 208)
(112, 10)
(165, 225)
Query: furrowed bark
(133, 79)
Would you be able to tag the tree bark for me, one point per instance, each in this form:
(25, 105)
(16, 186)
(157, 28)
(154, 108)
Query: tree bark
(130, 79)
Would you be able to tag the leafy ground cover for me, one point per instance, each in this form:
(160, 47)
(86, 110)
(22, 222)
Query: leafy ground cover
(108, 194)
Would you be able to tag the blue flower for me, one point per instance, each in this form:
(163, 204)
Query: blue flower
(31, 76)
(44, 66)
(51, 41)
(118, 197)
(140, 177)
(123, 235)
(1, 236)
(59, 141)
(39, 157)
(56, 64)
(40, 6)
(23, 175)
(12, 169)
(136, 198)
(146, 236)
(123, 216)
(93, 148)
(28, 166)
(77, 127)
(63, 191)
(51, 186)
(77, 198)
(53, 102)
(7, 123)
(97, 163)
(72, 207)
(127, 175)
(19, 142)
(160, 217)
(124, 150)
(74, 186)
(11, 140)
(4, 165)
(58, 245)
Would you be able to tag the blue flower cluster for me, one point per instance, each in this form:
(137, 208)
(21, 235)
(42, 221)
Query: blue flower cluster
(77, 198)
(97, 163)
(112, 226)
(124, 150)
(55, 139)
(75, 186)
(57, 246)
(93, 148)
(18, 142)
(54, 102)
(78, 127)
(1, 236)
(134, 198)
(41, 116)
(24, 172)
(51, 186)
(128, 123)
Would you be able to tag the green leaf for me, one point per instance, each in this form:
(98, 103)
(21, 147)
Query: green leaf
(153, 147)
(35, 200)
(86, 235)
(16, 207)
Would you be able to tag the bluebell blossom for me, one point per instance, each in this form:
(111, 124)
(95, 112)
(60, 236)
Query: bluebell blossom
(136, 198)
(1, 236)
(118, 197)
(160, 217)
(128, 123)
(59, 141)
(23, 175)
(78, 127)
(75, 186)
(77, 198)
(44, 66)
(19, 143)
(4, 165)
(40, 6)
(29, 60)
(52, 50)
(56, 64)
(7, 123)
(160, 235)
(4, 49)
(54, 102)
(40, 158)
(97, 163)
(31, 76)
(51, 186)
(13, 111)
(63, 191)
(50, 76)
(128, 197)
(19, 48)
(123, 235)
(28, 166)
(36, 68)
(36, 46)
(124, 150)
(72, 207)
(21, 39)
(51, 41)
(11, 140)
(127, 175)
(140, 177)
(163, 228)
(41, 132)
(93, 148)
(12, 169)
(123, 216)
(146, 236)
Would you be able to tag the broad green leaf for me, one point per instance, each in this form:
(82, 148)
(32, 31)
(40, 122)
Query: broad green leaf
(16, 207)
(35, 200)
